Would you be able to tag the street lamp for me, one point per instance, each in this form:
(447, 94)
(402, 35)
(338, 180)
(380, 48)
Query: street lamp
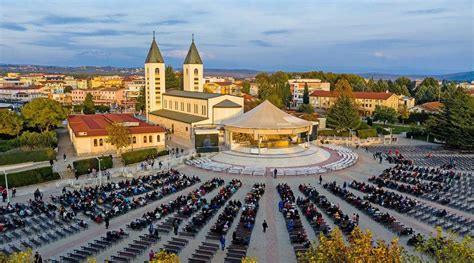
(6, 185)
(100, 172)
(169, 153)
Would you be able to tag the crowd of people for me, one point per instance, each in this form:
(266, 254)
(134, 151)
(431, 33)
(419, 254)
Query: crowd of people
(241, 236)
(345, 223)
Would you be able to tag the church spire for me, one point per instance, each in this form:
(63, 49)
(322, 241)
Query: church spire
(193, 54)
(154, 54)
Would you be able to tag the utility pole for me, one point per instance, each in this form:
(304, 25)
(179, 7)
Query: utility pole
(6, 185)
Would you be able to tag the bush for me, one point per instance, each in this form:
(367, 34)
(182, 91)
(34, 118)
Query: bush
(138, 156)
(333, 132)
(34, 176)
(363, 126)
(84, 166)
(28, 156)
(6, 145)
(365, 133)
(382, 131)
(369, 121)
(306, 108)
(34, 140)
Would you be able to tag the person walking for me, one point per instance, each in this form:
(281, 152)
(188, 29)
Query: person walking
(107, 222)
(51, 162)
(265, 226)
(37, 258)
(151, 255)
(13, 192)
(222, 241)
(320, 179)
(151, 229)
(175, 226)
(275, 171)
(64, 157)
(357, 219)
(4, 195)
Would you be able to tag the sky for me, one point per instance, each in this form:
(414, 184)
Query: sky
(399, 37)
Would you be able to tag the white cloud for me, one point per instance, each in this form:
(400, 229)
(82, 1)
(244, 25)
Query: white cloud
(381, 54)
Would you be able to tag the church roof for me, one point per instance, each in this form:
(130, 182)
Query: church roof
(193, 55)
(178, 116)
(191, 94)
(227, 104)
(154, 54)
(266, 116)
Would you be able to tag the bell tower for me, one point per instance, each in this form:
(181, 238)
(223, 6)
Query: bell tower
(154, 78)
(193, 70)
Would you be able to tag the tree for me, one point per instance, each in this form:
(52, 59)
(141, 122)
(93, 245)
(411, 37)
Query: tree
(455, 124)
(67, 89)
(118, 135)
(359, 249)
(171, 81)
(165, 257)
(404, 114)
(306, 94)
(102, 108)
(10, 124)
(429, 90)
(404, 85)
(88, 107)
(385, 114)
(43, 113)
(306, 108)
(440, 248)
(343, 115)
(246, 87)
(140, 104)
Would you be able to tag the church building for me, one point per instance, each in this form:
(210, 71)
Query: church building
(190, 111)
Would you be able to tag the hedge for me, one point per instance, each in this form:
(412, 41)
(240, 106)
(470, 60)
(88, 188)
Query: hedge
(365, 133)
(141, 155)
(29, 177)
(6, 145)
(28, 156)
(382, 131)
(333, 132)
(84, 166)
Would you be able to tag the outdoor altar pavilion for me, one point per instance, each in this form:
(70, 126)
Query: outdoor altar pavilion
(266, 129)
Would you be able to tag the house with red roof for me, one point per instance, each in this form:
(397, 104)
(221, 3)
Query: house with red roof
(429, 107)
(88, 133)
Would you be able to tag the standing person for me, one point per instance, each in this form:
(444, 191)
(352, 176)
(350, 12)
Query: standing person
(175, 226)
(357, 218)
(265, 226)
(51, 162)
(13, 192)
(151, 255)
(4, 195)
(106, 220)
(275, 171)
(64, 157)
(151, 229)
(37, 258)
(222, 241)
(320, 179)
(160, 164)
(344, 185)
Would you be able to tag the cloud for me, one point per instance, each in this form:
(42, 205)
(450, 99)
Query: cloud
(261, 43)
(13, 26)
(218, 45)
(168, 22)
(426, 11)
(95, 53)
(176, 53)
(276, 32)
(381, 54)
(66, 20)
(108, 32)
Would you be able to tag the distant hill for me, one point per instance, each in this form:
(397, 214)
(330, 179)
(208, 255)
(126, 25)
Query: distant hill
(461, 76)
(236, 73)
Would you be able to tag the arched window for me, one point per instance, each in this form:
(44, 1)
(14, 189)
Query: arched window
(157, 71)
(134, 139)
(144, 139)
(101, 142)
(150, 138)
(157, 138)
(95, 142)
(196, 71)
(187, 71)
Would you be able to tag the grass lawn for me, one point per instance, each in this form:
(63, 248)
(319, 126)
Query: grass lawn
(396, 128)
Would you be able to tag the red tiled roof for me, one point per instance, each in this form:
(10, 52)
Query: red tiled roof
(357, 95)
(470, 92)
(432, 106)
(96, 125)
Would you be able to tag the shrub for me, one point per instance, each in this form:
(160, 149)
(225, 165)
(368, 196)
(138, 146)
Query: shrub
(363, 126)
(333, 132)
(369, 121)
(28, 156)
(138, 156)
(382, 131)
(34, 176)
(6, 145)
(84, 166)
(365, 133)
(33, 140)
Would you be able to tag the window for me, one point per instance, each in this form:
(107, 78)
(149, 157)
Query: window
(187, 71)
(95, 142)
(196, 71)
(144, 139)
(164, 104)
(186, 128)
(182, 106)
(188, 106)
(134, 139)
(176, 105)
(157, 138)
(101, 142)
(203, 110)
(150, 138)
(195, 108)
(157, 71)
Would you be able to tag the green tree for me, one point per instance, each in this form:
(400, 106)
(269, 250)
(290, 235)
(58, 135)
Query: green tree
(429, 90)
(171, 81)
(404, 114)
(385, 114)
(102, 108)
(118, 135)
(343, 115)
(381, 86)
(88, 107)
(43, 113)
(306, 108)
(246, 87)
(455, 124)
(10, 124)
(140, 104)
(404, 85)
(306, 94)
(67, 89)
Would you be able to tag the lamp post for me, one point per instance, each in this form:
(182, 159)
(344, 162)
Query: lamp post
(6, 185)
(100, 172)
(169, 153)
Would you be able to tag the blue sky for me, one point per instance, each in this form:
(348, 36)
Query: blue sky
(343, 36)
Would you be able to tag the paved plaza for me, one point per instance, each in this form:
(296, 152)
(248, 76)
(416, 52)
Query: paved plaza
(272, 246)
